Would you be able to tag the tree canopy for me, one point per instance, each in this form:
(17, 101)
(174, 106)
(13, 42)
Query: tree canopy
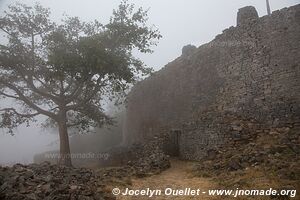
(64, 71)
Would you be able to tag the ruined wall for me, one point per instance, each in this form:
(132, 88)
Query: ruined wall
(246, 80)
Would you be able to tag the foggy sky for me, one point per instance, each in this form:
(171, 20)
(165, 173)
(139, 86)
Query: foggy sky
(180, 22)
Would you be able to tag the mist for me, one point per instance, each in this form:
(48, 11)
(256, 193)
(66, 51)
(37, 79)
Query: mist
(180, 23)
(24, 144)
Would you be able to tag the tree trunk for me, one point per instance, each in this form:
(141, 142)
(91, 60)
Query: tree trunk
(65, 153)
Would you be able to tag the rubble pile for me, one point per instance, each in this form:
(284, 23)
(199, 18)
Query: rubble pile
(46, 181)
(148, 158)
(141, 159)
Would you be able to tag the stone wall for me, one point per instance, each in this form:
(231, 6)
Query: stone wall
(246, 80)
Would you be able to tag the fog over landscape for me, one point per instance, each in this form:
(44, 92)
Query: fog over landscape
(180, 23)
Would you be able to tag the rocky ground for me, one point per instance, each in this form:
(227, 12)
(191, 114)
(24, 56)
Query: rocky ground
(178, 176)
(47, 181)
(268, 158)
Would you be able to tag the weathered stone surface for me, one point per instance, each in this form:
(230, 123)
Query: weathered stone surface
(244, 83)
(266, 152)
(246, 14)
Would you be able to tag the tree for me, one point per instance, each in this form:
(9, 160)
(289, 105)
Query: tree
(63, 71)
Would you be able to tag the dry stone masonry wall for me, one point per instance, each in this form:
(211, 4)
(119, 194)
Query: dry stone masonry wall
(245, 81)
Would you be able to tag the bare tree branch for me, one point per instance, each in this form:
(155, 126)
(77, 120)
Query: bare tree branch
(27, 115)
(9, 96)
(22, 97)
(77, 90)
(45, 86)
(87, 98)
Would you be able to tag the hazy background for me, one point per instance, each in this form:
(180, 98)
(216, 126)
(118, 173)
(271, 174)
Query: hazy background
(180, 22)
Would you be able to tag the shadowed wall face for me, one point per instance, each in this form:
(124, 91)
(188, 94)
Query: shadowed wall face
(249, 74)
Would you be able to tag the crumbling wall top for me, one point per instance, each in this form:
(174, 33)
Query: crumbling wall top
(188, 50)
(246, 14)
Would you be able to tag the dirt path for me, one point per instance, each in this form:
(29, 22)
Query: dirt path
(176, 177)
